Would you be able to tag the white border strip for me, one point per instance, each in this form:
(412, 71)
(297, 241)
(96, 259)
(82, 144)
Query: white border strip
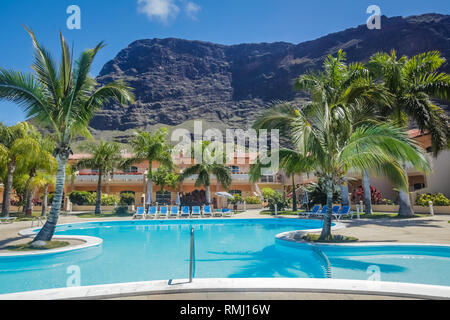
(338, 286)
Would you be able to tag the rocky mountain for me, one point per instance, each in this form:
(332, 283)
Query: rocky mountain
(177, 80)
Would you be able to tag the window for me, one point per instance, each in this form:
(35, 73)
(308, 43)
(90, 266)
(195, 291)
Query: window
(419, 186)
(267, 179)
(131, 170)
(233, 192)
(163, 197)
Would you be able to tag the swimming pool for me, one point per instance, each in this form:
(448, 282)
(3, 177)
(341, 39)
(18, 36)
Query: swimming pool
(237, 248)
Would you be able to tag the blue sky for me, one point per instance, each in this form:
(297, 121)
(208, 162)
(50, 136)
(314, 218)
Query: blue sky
(120, 22)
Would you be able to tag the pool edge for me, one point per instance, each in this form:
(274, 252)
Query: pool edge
(313, 285)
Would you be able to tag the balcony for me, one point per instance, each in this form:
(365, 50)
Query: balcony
(93, 178)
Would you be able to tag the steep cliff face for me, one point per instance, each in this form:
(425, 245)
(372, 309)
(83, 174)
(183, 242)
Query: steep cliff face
(178, 80)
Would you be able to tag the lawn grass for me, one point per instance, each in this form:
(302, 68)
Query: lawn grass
(49, 245)
(22, 217)
(334, 238)
(388, 215)
(284, 212)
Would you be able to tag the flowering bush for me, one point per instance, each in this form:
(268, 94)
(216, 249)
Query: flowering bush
(438, 199)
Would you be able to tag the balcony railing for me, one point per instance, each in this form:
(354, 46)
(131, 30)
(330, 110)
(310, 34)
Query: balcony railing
(114, 178)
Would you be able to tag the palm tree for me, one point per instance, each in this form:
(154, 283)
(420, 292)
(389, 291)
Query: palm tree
(342, 87)
(62, 99)
(335, 146)
(42, 159)
(105, 157)
(206, 168)
(152, 148)
(413, 83)
(15, 145)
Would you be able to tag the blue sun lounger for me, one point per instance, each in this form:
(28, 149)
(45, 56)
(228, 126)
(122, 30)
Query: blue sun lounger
(207, 211)
(196, 212)
(174, 211)
(314, 211)
(185, 212)
(152, 212)
(318, 213)
(140, 212)
(226, 212)
(345, 211)
(163, 211)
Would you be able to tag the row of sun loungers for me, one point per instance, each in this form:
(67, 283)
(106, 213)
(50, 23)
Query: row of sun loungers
(175, 212)
(336, 211)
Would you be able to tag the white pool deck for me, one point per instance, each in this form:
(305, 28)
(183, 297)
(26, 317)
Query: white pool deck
(429, 230)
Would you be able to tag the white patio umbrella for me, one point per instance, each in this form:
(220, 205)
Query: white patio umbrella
(178, 201)
(224, 194)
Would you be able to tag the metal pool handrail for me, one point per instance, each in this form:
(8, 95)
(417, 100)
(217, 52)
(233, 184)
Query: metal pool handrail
(192, 257)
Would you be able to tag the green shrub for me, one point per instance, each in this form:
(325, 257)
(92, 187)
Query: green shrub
(252, 200)
(279, 199)
(121, 211)
(82, 198)
(236, 199)
(438, 199)
(127, 199)
(317, 193)
(267, 193)
(110, 200)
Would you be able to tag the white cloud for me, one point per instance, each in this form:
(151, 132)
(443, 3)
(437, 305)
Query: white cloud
(192, 10)
(162, 10)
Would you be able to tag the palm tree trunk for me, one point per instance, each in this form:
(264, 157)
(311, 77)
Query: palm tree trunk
(29, 203)
(8, 187)
(208, 194)
(344, 193)
(367, 196)
(98, 203)
(44, 201)
(326, 229)
(294, 195)
(48, 229)
(405, 208)
(149, 191)
(29, 195)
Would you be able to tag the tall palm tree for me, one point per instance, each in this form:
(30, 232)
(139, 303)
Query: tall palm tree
(15, 145)
(104, 157)
(152, 148)
(207, 168)
(413, 83)
(62, 99)
(335, 146)
(343, 87)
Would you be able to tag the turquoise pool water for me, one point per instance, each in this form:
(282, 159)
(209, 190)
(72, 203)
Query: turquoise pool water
(157, 250)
